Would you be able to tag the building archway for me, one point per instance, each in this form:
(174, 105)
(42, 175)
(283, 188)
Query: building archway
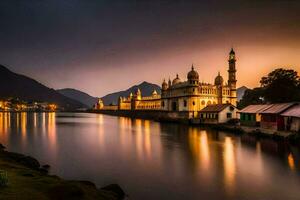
(174, 106)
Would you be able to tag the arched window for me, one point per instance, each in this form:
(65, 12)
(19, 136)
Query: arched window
(194, 103)
(184, 103)
(209, 102)
(163, 104)
(203, 102)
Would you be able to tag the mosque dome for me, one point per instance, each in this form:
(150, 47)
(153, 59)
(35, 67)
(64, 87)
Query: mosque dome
(219, 80)
(176, 80)
(193, 75)
(164, 85)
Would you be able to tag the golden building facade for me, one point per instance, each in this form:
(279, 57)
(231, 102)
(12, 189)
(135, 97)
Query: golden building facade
(192, 95)
(137, 102)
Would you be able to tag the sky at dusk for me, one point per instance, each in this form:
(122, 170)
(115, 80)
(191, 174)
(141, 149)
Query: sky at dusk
(102, 46)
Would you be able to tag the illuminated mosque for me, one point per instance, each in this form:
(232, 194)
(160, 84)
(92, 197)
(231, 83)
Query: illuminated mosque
(188, 96)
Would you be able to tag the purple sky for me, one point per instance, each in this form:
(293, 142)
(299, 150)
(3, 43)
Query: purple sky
(105, 46)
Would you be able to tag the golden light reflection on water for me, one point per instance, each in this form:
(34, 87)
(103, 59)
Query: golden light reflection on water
(51, 130)
(17, 120)
(147, 137)
(198, 143)
(1, 124)
(4, 125)
(291, 161)
(125, 125)
(43, 122)
(204, 153)
(139, 137)
(34, 120)
(23, 124)
(194, 143)
(229, 165)
(136, 136)
(100, 130)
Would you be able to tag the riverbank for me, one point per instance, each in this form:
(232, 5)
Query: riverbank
(163, 116)
(292, 137)
(22, 177)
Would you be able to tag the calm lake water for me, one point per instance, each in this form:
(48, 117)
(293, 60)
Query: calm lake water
(152, 160)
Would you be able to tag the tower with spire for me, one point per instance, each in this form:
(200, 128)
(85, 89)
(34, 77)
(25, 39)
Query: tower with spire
(232, 77)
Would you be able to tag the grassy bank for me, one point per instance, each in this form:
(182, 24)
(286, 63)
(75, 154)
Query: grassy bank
(22, 177)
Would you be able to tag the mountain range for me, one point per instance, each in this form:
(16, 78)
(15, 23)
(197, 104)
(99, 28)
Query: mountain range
(88, 100)
(145, 87)
(13, 85)
(80, 96)
(240, 92)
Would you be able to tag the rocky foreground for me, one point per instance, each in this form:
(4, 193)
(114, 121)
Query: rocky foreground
(22, 177)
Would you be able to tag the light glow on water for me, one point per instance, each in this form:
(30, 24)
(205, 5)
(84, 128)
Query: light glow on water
(152, 160)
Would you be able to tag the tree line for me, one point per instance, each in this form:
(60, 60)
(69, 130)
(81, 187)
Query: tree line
(279, 86)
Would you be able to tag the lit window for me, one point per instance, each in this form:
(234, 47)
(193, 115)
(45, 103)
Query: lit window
(229, 115)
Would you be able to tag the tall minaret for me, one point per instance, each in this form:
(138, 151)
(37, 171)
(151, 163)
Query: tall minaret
(232, 77)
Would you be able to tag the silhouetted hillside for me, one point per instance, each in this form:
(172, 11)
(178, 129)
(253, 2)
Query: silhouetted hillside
(145, 87)
(78, 95)
(240, 92)
(22, 87)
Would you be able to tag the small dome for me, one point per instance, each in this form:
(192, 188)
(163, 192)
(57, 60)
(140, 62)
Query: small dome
(154, 93)
(176, 80)
(164, 85)
(219, 80)
(193, 75)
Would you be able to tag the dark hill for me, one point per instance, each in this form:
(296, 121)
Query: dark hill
(14, 85)
(240, 92)
(78, 95)
(145, 87)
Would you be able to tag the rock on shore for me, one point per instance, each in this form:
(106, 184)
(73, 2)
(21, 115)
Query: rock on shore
(27, 180)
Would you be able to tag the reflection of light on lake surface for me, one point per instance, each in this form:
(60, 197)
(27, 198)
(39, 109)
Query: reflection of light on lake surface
(229, 165)
(34, 120)
(198, 143)
(204, 150)
(23, 125)
(51, 129)
(154, 160)
(139, 138)
(147, 138)
(291, 161)
(100, 130)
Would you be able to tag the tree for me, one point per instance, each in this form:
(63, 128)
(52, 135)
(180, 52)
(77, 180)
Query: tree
(281, 85)
(251, 96)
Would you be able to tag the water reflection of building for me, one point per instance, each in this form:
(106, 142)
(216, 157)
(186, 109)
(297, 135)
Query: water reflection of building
(229, 165)
(51, 129)
(137, 137)
(287, 153)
